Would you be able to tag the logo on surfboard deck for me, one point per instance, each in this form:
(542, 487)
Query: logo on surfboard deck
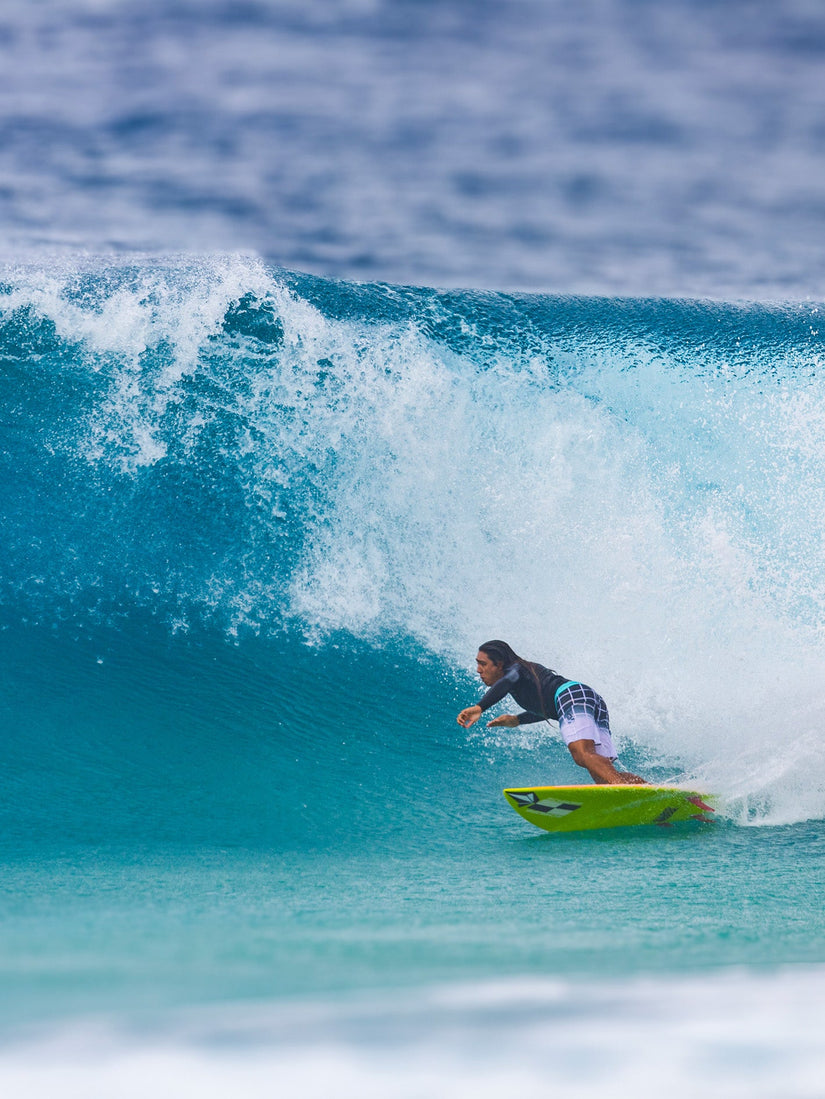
(529, 799)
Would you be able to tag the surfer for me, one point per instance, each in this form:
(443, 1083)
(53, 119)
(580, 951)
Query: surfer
(547, 696)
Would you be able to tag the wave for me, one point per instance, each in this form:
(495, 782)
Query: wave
(629, 490)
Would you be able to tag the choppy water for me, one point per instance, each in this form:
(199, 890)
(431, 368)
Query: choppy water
(618, 146)
(256, 520)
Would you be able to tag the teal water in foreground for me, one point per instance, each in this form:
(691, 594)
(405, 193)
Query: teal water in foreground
(200, 836)
(90, 931)
(254, 528)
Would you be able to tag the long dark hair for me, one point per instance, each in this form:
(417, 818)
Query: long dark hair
(501, 653)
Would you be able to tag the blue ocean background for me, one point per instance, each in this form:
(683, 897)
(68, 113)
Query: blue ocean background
(336, 338)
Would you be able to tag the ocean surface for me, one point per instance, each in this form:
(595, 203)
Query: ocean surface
(336, 338)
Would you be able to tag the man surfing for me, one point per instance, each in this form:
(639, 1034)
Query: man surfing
(547, 696)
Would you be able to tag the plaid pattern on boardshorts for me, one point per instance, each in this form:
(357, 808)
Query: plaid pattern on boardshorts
(583, 716)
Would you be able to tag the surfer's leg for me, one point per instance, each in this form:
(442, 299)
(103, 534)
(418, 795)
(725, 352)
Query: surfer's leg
(584, 723)
(630, 779)
(601, 769)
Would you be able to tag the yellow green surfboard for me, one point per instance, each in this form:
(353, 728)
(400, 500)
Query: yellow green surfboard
(581, 808)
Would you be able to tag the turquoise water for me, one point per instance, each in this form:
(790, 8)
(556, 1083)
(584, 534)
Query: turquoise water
(255, 525)
(255, 521)
(142, 929)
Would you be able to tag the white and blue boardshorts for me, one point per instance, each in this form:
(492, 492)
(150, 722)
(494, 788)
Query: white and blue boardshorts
(583, 716)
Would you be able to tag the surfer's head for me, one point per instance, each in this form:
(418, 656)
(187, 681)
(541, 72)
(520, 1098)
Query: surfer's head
(492, 659)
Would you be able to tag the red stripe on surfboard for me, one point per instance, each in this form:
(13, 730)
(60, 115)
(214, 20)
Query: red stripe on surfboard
(701, 805)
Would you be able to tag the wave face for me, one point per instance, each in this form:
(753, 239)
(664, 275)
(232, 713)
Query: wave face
(629, 490)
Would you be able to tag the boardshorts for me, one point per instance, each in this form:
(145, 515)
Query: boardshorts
(583, 716)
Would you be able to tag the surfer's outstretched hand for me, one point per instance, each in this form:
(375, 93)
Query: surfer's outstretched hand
(510, 720)
(471, 715)
(627, 778)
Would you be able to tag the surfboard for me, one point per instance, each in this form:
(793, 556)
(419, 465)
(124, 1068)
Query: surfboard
(581, 808)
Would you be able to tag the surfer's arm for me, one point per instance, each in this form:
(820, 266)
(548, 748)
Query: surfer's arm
(495, 694)
(499, 689)
(511, 720)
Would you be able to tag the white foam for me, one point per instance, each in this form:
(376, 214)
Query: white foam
(471, 503)
(727, 1035)
(131, 307)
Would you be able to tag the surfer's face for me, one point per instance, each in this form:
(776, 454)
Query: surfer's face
(488, 671)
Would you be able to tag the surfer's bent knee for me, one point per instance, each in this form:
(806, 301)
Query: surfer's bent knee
(580, 750)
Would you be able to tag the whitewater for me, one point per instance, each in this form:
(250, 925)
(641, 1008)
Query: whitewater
(255, 525)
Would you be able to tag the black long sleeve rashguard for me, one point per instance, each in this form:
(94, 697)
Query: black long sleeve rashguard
(535, 692)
